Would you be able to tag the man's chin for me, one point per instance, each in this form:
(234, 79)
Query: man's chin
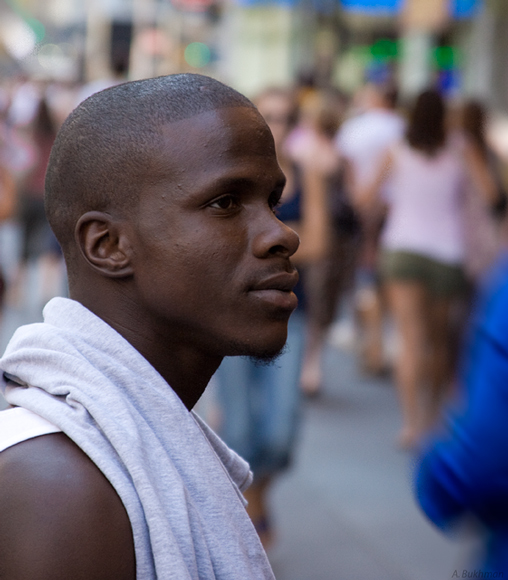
(268, 358)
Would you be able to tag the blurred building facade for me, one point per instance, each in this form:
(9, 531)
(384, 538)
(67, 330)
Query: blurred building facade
(254, 43)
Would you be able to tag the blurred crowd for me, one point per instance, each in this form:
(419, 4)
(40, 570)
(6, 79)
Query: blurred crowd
(31, 112)
(400, 210)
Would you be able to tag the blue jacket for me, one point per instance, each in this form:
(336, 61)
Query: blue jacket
(464, 471)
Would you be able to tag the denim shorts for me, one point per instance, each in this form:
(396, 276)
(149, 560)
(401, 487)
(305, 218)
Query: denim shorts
(441, 279)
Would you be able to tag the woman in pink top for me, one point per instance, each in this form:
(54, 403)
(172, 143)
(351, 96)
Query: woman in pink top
(423, 256)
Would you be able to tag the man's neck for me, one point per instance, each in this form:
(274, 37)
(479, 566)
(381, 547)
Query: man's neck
(187, 370)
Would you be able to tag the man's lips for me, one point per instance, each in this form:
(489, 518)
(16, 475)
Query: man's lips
(283, 281)
(277, 290)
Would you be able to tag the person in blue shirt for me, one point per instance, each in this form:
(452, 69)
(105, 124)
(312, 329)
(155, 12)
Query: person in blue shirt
(463, 471)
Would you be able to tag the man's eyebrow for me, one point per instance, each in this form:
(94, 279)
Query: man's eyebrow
(241, 181)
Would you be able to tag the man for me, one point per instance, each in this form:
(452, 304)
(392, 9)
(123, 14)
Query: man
(161, 193)
(363, 140)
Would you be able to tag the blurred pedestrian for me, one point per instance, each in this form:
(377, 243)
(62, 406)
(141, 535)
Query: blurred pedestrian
(463, 471)
(259, 405)
(39, 245)
(7, 204)
(363, 140)
(328, 225)
(422, 258)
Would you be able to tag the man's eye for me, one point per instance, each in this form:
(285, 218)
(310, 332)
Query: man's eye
(225, 202)
(274, 202)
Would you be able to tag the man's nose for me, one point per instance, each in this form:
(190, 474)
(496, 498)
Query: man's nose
(273, 237)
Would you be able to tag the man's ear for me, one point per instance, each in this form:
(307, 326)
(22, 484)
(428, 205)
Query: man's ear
(104, 244)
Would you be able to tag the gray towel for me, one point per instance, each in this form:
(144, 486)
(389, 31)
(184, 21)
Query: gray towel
(179, 482)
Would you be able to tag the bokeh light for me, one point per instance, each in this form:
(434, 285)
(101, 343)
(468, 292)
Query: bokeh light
(18, 38)
(197, 54)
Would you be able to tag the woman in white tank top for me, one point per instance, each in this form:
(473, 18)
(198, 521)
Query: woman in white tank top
(422, 258)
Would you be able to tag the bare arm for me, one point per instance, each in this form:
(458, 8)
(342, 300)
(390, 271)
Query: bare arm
(365, 197)
(7, 194)
(480, 174)
(60, 517)
(313, 227)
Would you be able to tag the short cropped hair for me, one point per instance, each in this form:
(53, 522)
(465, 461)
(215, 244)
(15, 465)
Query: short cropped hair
(104, 152)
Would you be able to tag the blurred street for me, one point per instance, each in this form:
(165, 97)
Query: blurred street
(346, 510)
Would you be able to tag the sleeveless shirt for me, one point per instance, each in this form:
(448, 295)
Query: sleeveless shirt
(18, 424)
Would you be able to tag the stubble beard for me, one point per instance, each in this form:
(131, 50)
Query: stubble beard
(267, 359)
(259, 357)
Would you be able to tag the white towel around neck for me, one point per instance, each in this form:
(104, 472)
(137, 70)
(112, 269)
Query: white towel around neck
(178, 481)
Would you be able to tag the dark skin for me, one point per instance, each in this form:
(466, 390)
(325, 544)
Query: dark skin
(61, 518)
(200, 270)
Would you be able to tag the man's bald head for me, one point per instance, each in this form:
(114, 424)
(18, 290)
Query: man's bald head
(106, 150)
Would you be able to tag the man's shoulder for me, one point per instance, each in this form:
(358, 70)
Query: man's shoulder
(60, 517)
(47, 463)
